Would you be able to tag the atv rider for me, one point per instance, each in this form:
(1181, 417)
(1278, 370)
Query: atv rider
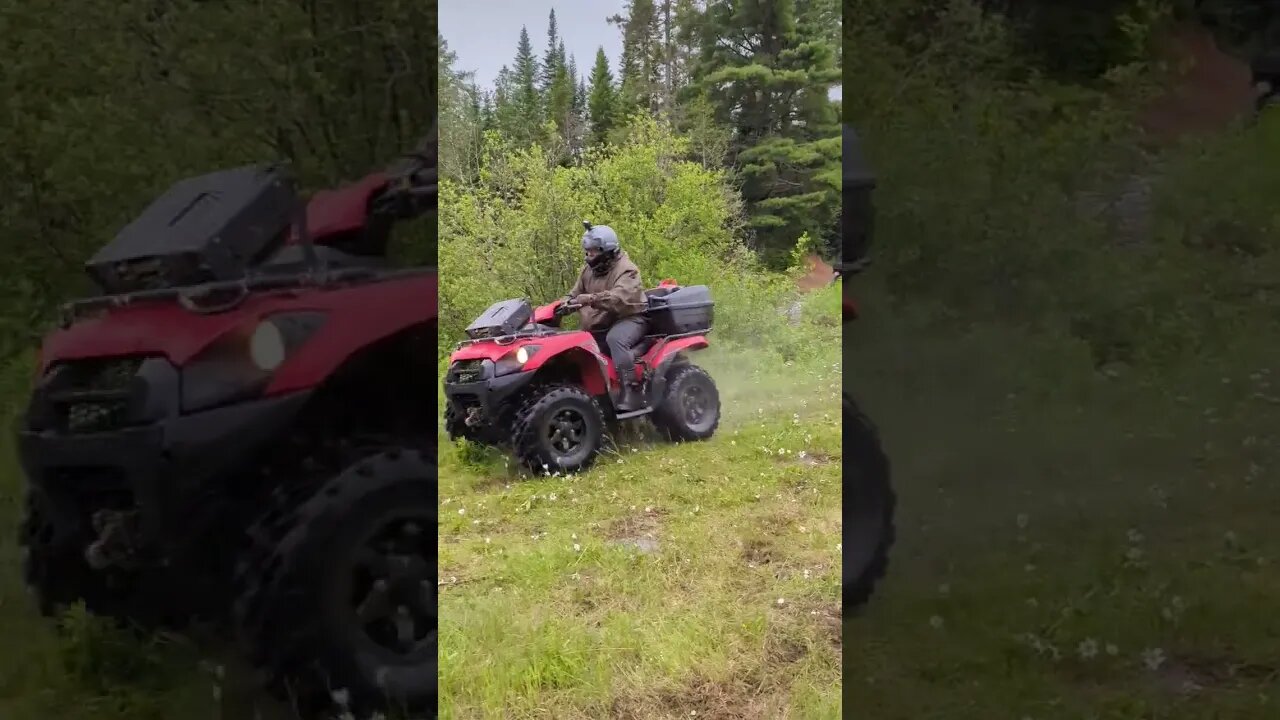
(610, 299)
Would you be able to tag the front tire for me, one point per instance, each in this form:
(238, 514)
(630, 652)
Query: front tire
(558, 428)
(690, 405)
(869, 507)
(455, 425)
(345, 600)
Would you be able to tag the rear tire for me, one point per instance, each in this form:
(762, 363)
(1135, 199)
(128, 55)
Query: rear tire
(558, 428)
(869, 507)
(690, 405)
(343, 598)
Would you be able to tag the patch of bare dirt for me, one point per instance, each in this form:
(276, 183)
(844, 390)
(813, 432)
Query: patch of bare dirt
(745, 697)
(640, 524)
(819, 275)
(1206, 89)
(1187, 675)
(757, 551)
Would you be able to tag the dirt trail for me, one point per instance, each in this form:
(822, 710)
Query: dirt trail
(1207, 91)
(820, 275)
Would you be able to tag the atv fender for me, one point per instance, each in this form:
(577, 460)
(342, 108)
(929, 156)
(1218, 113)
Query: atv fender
(662, 357)
(577, 349)
(351, 327)
(664, 351)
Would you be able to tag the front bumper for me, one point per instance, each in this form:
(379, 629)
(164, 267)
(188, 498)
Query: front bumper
(477, 387)
(174, 472)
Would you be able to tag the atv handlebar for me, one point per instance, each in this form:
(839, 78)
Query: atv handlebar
(566, 308)
(412, 183)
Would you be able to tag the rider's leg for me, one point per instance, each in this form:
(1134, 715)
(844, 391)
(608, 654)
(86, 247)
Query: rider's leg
(622, 337)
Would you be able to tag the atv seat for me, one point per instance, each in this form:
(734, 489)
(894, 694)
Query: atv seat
(646, 343)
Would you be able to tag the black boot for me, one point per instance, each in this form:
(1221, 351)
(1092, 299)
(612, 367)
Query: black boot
(632, 398)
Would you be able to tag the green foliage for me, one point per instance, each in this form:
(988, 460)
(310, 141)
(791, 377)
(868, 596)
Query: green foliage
(96, 125)
(748, 83)
(994, 184)
(515, 233)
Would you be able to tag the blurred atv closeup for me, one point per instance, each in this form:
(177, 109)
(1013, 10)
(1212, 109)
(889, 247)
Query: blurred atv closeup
(869, 502)
(240, 430)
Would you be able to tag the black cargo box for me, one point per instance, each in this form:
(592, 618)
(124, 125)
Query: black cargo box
(205, 228)
(502, 318)
(683, 310)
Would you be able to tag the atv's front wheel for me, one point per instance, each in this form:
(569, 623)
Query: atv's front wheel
(869, 505)
(690, 405)
(345, 601)
(558, 428)
(455, 425)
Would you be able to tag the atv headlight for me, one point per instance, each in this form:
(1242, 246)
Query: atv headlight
(240, 364)
(515, 360)
(267, 346)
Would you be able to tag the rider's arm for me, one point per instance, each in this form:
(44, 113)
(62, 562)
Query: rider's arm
(626, 293)
(577, 288)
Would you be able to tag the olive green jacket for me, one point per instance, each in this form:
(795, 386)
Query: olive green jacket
(617, 294)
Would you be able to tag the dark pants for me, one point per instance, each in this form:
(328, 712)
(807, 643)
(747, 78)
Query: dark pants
(624, 335)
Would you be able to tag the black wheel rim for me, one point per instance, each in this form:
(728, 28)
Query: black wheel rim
(566, 432)
(698, 406)
(393, 591)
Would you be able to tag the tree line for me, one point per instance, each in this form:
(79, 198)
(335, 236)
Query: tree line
(748, 84)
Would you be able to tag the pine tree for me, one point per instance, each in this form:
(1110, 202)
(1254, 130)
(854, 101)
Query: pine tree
(553, 56)
(560, 94)
(771, 87)
(525, 98)
(639, 72)
(602, 101)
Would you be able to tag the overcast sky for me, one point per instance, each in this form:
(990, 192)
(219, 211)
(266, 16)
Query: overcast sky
(484, 33)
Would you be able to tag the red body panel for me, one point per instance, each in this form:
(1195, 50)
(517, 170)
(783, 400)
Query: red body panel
(357, 316)
(333, 212)
(546, 313)
(582, 348)
(666, 349)
(850, 309)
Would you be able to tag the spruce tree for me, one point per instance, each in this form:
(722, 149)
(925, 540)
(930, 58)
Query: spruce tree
(552, 57)
(771, 87)
(602, 101)
(525, 93)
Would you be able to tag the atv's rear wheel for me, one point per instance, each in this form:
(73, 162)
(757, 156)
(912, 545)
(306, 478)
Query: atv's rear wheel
(869, 506)
(558, 428)
(346, 599)
(690, 405)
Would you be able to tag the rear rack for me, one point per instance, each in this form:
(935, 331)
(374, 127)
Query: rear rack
(185, 296)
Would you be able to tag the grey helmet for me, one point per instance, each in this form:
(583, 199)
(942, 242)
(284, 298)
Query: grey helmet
(604, 239)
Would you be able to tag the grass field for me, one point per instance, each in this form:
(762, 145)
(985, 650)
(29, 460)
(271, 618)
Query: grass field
(1071, 545)
(698, 580)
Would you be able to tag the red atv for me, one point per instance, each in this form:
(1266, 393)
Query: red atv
(238, 431)
(869, 501)
(520, 383)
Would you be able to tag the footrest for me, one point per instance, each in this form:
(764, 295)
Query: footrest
(634, 413)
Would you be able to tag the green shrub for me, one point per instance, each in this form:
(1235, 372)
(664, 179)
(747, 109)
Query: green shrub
(516, 232)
